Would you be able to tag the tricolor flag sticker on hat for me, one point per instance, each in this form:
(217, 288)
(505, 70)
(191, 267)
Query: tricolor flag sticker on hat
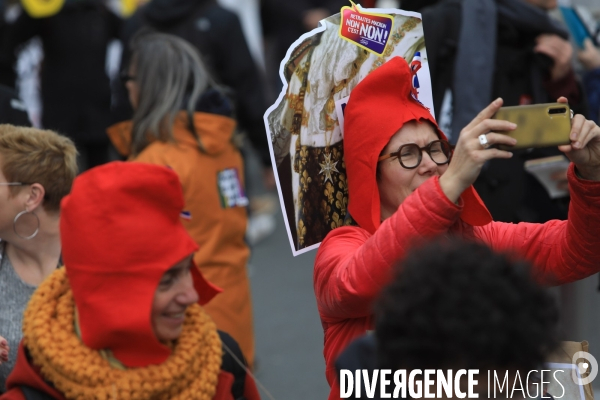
(366, 30)
(415, 66)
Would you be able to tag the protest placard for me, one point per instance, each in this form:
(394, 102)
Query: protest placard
(306, 139)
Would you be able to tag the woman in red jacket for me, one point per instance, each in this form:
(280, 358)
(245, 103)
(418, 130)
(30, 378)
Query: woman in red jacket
(403, 188)
(120, 320)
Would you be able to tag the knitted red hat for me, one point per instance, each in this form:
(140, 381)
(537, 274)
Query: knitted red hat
(378, 107)
(121, 231)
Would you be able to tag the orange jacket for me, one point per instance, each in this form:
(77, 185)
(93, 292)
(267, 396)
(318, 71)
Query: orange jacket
(211, 172)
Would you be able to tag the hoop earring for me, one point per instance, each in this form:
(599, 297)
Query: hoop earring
(34, 234)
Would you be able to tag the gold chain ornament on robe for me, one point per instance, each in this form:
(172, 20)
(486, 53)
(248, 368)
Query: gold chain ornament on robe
(321, 202)
(328, 167)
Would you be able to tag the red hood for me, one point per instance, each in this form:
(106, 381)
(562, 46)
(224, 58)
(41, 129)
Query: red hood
(378, 107)
(121, 230)
(26, 374)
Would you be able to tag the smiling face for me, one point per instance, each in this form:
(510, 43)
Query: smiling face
(175, 293)
(395, 182)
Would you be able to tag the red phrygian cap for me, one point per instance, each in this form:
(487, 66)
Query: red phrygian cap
(378, 107)
(121, 230)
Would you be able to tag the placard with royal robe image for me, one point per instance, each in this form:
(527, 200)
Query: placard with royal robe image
(305, 124)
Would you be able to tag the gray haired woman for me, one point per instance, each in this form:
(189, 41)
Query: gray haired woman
(183, 121)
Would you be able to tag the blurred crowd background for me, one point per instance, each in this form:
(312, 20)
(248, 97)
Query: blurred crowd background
(62, 66)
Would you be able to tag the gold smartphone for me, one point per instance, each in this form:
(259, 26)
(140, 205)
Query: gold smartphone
(538, 125)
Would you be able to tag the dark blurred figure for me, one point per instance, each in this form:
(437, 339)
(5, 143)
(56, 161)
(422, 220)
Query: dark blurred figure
(416, 5)
(590, 59)
(285, 21)
(75, 89)
(483, 49)
(7, 73)
(12, 109)
(454, 305)
(217, 34)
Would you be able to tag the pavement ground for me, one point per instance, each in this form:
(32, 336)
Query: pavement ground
(288, 332)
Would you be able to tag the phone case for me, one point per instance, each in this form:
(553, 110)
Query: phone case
(538, 125)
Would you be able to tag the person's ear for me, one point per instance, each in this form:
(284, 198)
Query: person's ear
(35, 197)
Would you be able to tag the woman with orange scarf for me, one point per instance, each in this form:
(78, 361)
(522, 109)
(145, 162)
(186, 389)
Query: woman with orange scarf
(121, 319)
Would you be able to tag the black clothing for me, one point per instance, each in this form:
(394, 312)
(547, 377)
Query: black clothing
(361, 354)
(283, 24)
(31, 393)
(12, 109)
(75, 89)
(417, 5)
(170, 12)
(217, 34)
(230, 364)
(283, 19)
(519, 75)
(517, 70)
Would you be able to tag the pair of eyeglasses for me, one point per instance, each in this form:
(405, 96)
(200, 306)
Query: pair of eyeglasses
(14, 184)
(410, 155)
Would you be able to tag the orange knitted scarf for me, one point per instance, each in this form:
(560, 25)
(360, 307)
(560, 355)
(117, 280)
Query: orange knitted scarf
(191, 372)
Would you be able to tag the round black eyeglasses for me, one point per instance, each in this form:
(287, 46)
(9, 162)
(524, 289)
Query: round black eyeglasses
(410, 155)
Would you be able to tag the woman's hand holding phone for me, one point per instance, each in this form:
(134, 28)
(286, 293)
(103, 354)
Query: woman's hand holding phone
(470, 155)
(584, 150)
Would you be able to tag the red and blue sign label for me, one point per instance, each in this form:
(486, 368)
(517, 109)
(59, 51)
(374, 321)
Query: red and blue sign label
(368, 31)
